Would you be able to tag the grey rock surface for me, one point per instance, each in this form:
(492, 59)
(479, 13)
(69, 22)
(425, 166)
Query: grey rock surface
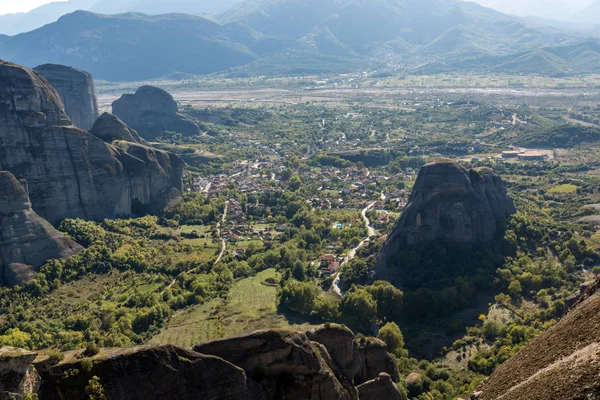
(285, 363)
(77, 91)
(452, 203)
(72, 173)
(379, 388)
(27, 241)
(109, 128)
(152, 111)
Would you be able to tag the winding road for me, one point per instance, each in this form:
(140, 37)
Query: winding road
(352, 253)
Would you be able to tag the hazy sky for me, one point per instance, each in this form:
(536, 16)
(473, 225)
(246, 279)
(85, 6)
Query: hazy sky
(519, 7)
(14, 6)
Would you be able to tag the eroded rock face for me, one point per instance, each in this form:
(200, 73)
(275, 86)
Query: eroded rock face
(343, 350)
(451, 203)
(109, 128)
(150, 373)
(285, 363)
(77, 92)
(27, 241)
(375, 359)
(17, 373)
(379, 388)
(152, 111)
(71, 173)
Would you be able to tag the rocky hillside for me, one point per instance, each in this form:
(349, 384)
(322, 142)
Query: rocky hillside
(563, 363)
(27, 241)
(152, 111)
(76, 90)
(70, 172)
(263, 365)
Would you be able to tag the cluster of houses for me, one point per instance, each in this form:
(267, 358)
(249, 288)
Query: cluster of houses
(329, 264)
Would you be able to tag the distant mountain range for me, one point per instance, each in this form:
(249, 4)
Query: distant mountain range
(306, 36)
(12, 24)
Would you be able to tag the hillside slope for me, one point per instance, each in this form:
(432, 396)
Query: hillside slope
(563, 363)
(129, 46)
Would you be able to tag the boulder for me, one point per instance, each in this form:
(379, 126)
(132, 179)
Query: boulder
(27, 241)
(149, 373)
(152, 111)
(343, 350)
(77, 92)
(109, 128)
(375, 359)
(285, 363)
(379, 388)
(72, 173)
(17, 373)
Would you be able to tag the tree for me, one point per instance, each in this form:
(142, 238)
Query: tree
(299, 296)
(389, 299)
(95, 390)
(359, 309)
(392, 336)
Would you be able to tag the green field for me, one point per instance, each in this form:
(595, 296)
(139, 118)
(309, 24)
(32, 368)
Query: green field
(567, 188)
(250, 305)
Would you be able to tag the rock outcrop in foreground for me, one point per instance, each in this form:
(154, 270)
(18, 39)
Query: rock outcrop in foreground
(27, 241)
(76, 90)
(152, 111)
(452, 203)
(563, 363)
(264, 365)
(72, 173)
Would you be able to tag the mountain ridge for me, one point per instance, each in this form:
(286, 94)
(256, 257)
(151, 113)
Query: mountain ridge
(283, 37)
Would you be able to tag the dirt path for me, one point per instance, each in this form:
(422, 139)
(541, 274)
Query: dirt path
(223, 246)
(219, 224)
(352, 253)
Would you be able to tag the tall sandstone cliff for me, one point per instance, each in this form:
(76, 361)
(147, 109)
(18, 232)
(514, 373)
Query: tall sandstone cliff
(27, 241)
(152, 111)
(76, 90)
(72, 173)
(452, 203)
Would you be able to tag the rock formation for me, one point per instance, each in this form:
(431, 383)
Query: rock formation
(146, 373)
(77, 92)
(343, 350)
(452, 203)
(109, 128)
(70, 172)
(26, 240)
(264, 365)
(285, 363)
(562, 363)
(18, 376)
(375, 359)
(152, 111)
(379, 388)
